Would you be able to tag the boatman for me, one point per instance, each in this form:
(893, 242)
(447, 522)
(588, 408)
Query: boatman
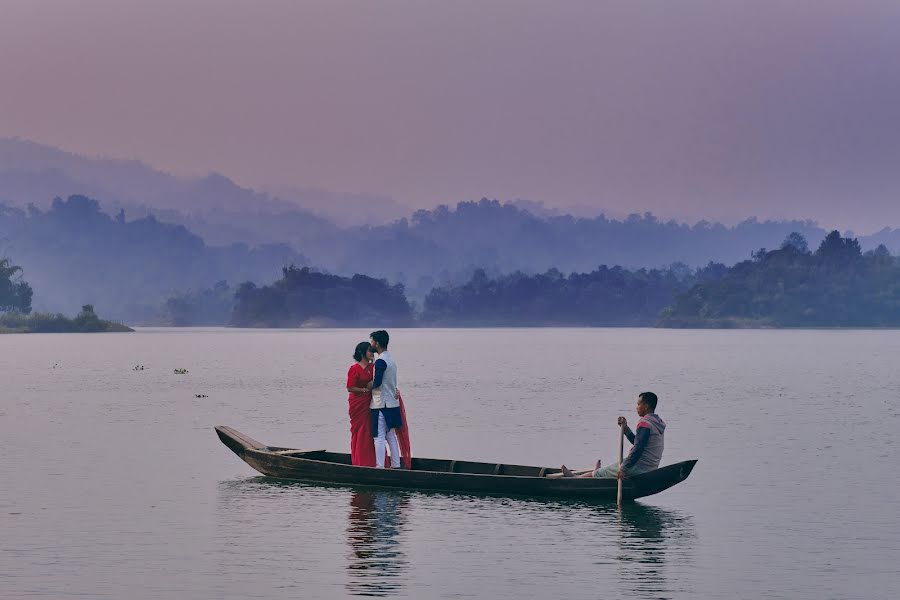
(385, 406)
(648, 443)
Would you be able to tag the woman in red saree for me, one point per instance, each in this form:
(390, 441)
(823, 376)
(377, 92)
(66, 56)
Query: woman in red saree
(360, 375)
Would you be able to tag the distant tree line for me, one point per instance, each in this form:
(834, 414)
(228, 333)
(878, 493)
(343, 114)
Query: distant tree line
(302, 297)
(306, 297)
(74, 252)
(606, 296)
(836, 286)
(80, 254)
(16, 315)
(85, 321)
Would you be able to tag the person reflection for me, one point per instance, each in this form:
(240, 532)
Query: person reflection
(376, 560)
(650, 538)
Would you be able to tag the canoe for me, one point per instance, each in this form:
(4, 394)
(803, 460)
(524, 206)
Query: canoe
(321, 466)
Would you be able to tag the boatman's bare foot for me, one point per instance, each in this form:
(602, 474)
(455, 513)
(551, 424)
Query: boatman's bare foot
(566, 472)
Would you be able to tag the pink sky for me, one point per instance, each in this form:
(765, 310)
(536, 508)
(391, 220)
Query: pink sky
(688, 109)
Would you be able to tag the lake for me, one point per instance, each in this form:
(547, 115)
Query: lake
(116, 486)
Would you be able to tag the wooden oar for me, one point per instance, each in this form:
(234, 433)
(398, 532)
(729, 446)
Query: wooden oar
(621, 452)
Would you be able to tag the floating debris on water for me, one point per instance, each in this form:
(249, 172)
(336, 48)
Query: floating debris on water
(181, 371)
(200, 396)
(138, 367)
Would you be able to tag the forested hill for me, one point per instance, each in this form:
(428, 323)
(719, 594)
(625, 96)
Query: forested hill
(426, 248)
(74, 254)
(490, 234)
(304, 297)
(836, 286)
(444, 246)
(613, 297)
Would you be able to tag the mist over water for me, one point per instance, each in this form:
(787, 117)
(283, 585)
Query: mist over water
(116, 486)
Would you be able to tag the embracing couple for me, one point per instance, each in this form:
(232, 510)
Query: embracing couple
(377, 414)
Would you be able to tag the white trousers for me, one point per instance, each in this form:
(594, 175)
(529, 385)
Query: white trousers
(391, 438)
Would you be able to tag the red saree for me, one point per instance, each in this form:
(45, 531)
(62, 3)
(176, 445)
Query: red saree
(362, 448)
(403, 438)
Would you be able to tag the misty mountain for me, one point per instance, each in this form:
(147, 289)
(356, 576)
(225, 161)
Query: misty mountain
(341, 208)
(446, 245)
(36, 173)
(887, 237)
(74, 254)
(428, 248)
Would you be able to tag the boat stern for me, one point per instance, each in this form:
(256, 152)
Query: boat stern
(655, 481)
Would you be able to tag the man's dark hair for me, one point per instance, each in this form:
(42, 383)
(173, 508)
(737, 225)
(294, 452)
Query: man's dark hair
(650, 399)
(381, 336)
(361, 349)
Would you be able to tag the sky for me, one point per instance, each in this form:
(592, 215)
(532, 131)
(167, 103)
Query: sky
(688, 109)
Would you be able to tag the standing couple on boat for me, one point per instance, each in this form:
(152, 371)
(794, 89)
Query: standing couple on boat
(377, 414)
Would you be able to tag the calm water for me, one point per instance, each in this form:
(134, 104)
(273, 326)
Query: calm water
(115, 486)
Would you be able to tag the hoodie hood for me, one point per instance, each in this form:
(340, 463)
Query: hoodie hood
(653, 422)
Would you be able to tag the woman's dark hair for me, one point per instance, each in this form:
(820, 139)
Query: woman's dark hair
(650, 399)
(361, 349)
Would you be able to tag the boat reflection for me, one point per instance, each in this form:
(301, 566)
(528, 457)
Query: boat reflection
(377, 560)
(363, 540)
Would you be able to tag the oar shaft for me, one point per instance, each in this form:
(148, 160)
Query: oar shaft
(621, 458)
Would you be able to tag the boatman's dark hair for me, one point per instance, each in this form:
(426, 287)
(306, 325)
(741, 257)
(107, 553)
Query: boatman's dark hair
(650, 399)
(381, 336)
(361, 349)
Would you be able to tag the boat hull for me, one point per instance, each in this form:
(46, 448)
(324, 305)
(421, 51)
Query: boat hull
(319, 466)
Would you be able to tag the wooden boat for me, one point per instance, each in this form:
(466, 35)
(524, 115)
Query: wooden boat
(321, 466)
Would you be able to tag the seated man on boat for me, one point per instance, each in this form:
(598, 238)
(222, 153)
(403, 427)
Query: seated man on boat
(648, 443)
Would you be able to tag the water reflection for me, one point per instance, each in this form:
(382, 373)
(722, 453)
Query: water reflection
(377, 560)
(650, 538)
(310, 539)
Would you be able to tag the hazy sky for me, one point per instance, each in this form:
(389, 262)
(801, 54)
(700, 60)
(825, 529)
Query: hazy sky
(686, 108)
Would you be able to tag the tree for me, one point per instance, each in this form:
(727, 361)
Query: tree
(837, 250)
(796, 241)
(15, 294)
(759, 255)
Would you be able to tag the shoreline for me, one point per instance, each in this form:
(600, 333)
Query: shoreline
(541, 326)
